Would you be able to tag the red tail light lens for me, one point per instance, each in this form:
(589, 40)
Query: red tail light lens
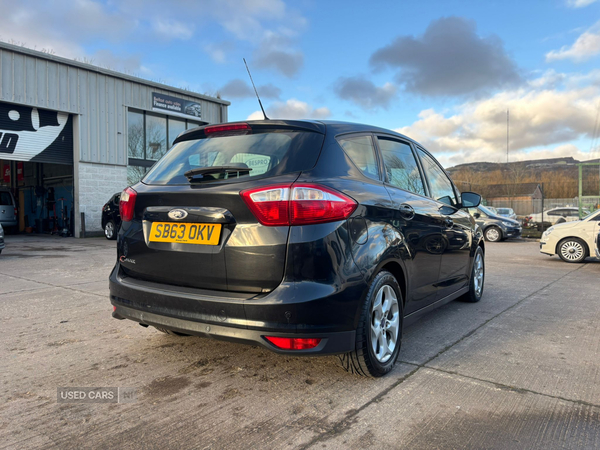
(293, 343)
(269, 205)
(303, 204)
(127, 204)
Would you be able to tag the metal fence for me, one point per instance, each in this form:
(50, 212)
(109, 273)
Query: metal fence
(524, 208)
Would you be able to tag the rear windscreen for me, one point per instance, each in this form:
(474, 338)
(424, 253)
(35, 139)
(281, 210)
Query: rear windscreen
(259, 154)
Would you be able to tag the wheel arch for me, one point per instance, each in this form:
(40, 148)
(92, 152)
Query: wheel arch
(585, 244)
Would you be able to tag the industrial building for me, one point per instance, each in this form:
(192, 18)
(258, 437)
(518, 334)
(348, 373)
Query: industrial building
(72, 135)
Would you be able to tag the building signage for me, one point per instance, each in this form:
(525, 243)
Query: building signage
(32, 134)
(176, 106)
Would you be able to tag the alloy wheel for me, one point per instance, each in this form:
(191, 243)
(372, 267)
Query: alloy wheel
(109, 230)
(492, 234)
(385, 323)
(478, 274)
(572, 251)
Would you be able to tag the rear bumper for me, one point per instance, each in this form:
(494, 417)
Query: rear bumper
(296, 310)
(9, 223)
(331, 343)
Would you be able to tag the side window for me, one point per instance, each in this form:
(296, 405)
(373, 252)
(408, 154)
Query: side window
(556, 212)
(400, 165)
(362, 153)
(441, 186)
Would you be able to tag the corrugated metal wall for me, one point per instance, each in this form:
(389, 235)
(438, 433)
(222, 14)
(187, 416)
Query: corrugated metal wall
(98, 96)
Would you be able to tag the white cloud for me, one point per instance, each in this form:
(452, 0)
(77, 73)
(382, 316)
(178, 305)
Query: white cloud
(579, 3)
(540, 117)
(585, 47)
(292, 109)
(173, 29)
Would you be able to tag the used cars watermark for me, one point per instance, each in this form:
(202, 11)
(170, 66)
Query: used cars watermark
(96, 394)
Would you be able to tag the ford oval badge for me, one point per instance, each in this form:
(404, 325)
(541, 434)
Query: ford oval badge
(178, 214)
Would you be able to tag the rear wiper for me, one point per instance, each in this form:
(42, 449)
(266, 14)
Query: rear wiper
(231, 168)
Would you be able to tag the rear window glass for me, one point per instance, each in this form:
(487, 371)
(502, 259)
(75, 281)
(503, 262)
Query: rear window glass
(5, 199)
(265, 154)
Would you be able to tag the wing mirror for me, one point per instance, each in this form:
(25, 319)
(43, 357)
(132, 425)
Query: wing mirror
(477, 215)
(470, 200)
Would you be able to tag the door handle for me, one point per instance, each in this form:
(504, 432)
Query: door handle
(406, 211)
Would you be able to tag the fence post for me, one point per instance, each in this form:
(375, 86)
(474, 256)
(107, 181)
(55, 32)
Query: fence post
(543, 195)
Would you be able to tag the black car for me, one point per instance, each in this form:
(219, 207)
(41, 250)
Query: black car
(304, 237)
(111, 219)
(495, 227)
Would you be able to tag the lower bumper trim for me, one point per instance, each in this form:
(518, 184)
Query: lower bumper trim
(331, 343)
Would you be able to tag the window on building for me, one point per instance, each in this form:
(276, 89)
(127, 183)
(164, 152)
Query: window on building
(149, 137)
(176, 127)
(135, 134)
(156, 136)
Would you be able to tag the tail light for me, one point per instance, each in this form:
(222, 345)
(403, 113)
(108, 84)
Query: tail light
(298, 204)
(127, 204)
(293, 343)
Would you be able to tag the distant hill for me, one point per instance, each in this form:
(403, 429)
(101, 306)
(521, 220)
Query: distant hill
(558, 177)
(534, 164)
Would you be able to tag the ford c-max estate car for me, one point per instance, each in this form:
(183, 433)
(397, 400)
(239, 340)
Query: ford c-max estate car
(305, 237)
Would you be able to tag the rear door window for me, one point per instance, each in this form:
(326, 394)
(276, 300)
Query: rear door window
(400, 165)
(439, 183)
(261, 154)
(362, 153)
(5, 199)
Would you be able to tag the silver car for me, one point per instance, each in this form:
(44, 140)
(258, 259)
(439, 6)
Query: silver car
(1, 238)
(8, 208)
(506, 212)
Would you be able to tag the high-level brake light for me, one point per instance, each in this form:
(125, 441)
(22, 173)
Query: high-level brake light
(298, 204)
(227, 127)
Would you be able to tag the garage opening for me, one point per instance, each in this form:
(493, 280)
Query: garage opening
(36, 167)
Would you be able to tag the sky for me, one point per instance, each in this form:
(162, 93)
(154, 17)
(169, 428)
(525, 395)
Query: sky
(442, 72)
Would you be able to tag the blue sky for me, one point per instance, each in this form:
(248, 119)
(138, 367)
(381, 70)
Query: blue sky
(442, 72)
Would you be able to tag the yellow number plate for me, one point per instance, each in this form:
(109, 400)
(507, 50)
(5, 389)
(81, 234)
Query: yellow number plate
(186, 233)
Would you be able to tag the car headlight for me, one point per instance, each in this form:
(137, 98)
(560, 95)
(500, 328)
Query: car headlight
(509, 224)
(547, 232)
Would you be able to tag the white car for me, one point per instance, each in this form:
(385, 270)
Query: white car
(573, 241)
(558, 215)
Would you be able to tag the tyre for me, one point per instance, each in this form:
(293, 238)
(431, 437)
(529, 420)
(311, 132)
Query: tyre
(493, 234)
(477, 278)
(572, 250)
(379, 333)
(110, 230)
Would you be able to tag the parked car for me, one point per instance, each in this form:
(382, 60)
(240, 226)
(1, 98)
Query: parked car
(557, 215)
(2, 245)
(8, 208)
(506, 212)
(573, 241)
(111, 219)
(303, 237)
(495, 228)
